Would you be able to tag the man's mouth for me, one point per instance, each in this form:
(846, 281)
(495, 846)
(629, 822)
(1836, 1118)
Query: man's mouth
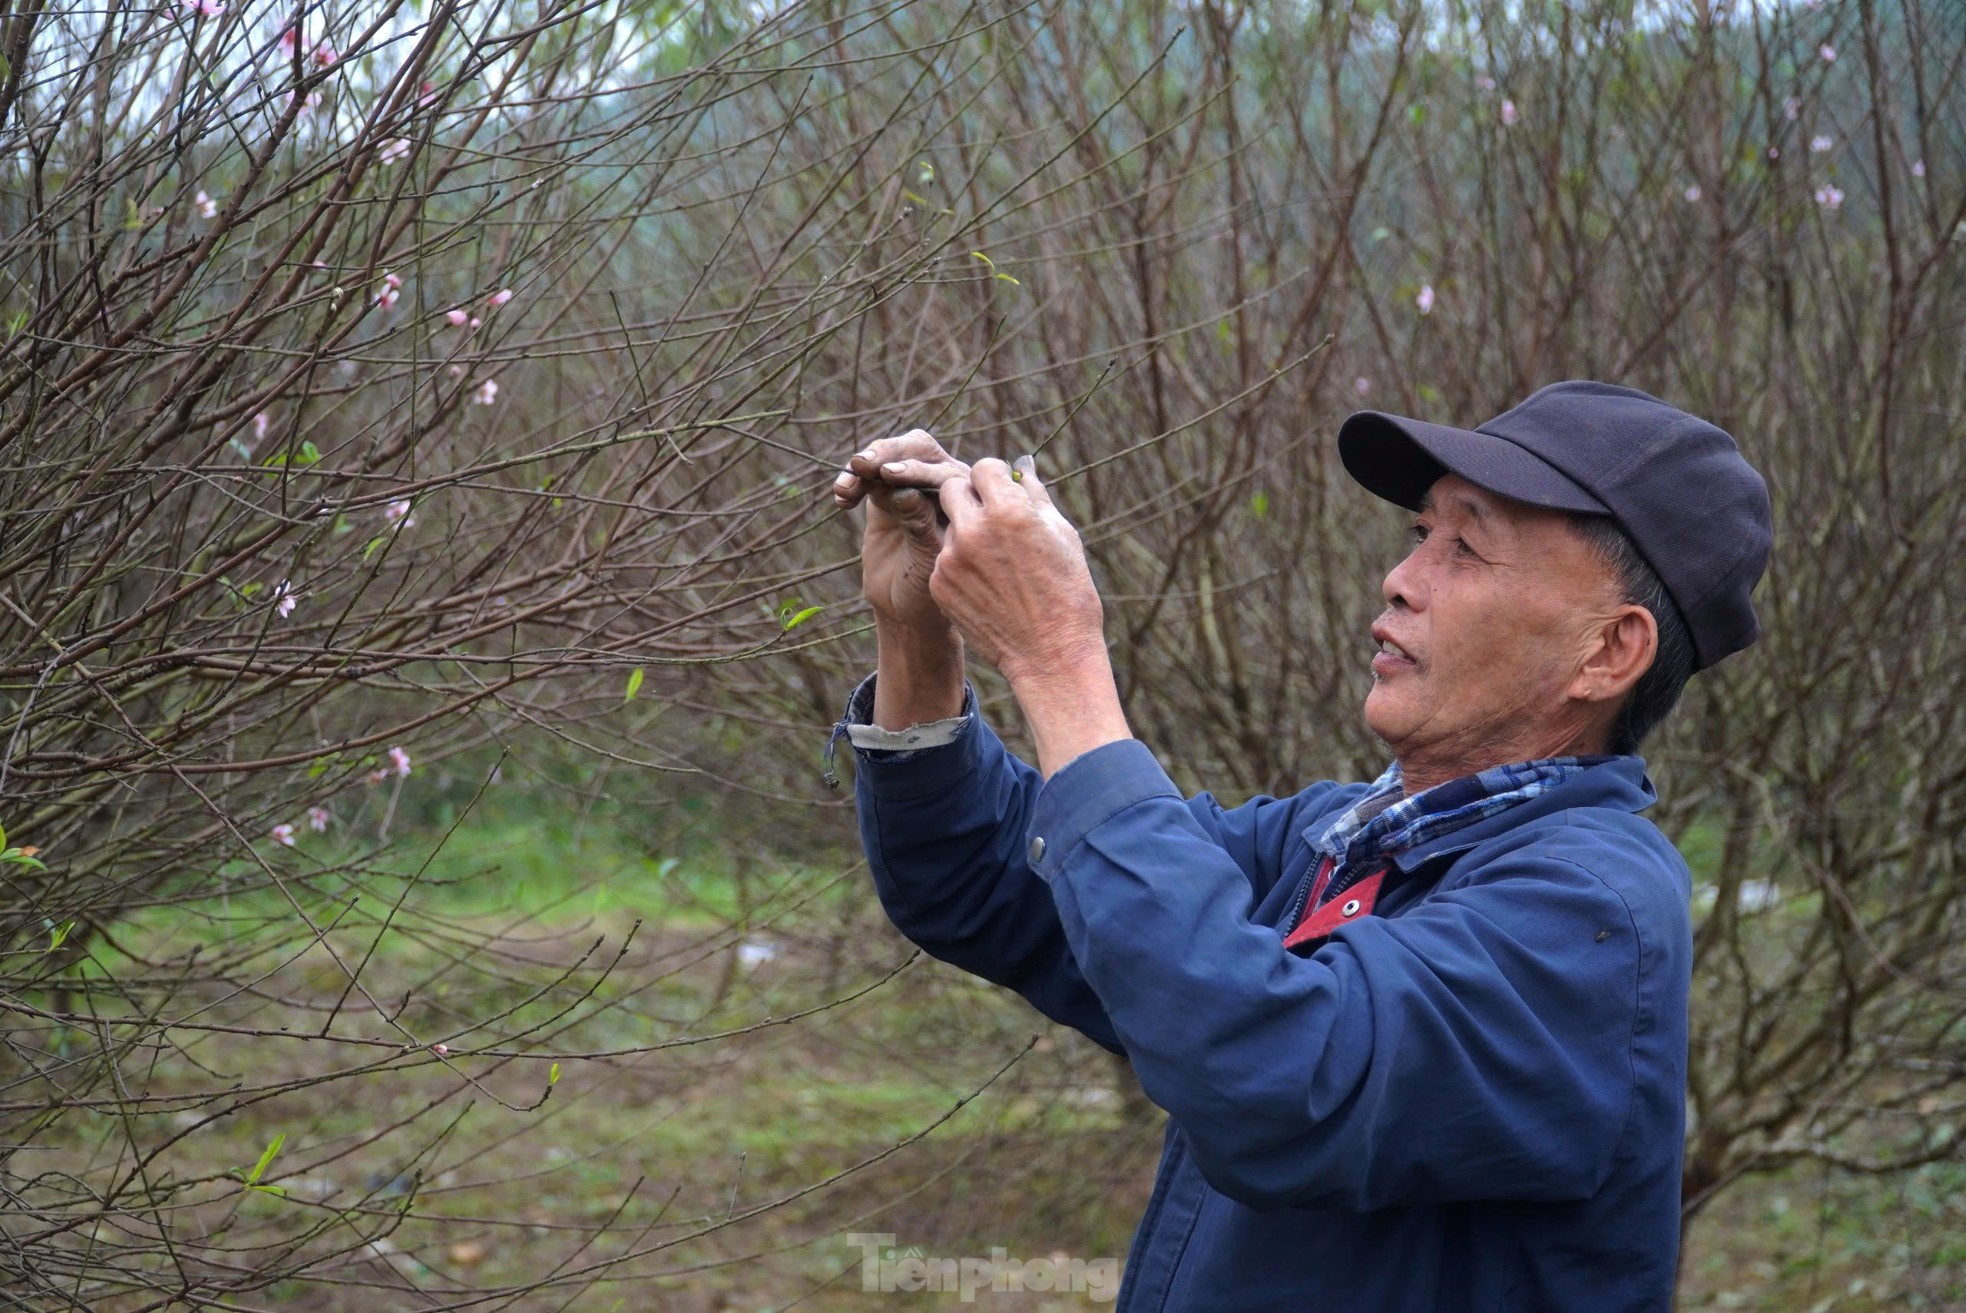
(1390, 658)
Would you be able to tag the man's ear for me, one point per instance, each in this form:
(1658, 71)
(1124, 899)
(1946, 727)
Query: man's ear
(1625, 644)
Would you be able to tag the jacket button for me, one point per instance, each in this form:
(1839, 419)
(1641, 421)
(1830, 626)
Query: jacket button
(1350, 908)
(1037, 849)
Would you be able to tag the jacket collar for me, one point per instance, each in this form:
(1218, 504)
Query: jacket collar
(1620, 784)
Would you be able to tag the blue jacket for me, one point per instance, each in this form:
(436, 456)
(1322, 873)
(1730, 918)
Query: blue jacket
(1471, 1098)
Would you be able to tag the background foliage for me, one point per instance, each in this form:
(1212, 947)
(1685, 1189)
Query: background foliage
(420, 609)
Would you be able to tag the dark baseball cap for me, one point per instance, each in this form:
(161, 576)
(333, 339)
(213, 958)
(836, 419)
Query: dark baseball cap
(1677, 485)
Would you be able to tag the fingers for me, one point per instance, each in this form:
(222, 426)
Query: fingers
(1016, 484)
(993, 482)
(917, 448)
(1025, 469)
(920, 473)
(959, 500)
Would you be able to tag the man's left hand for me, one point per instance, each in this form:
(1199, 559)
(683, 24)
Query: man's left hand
(1013, 579)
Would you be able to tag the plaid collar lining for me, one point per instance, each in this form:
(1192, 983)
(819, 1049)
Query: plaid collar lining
(1385, 821)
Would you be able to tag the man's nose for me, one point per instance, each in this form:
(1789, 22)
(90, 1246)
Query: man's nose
(1403, 587)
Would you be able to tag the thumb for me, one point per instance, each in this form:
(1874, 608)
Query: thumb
(914, 511)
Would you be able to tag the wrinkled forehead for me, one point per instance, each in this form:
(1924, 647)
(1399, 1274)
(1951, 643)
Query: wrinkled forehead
(1453, 497)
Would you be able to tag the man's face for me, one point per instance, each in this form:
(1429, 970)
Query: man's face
(1487, 622)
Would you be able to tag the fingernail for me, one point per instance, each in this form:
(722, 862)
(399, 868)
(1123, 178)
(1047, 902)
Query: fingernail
(1026, 464)
(892, 467)
(867, 454)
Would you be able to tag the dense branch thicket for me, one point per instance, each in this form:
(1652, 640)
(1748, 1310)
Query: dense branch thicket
(395, 389)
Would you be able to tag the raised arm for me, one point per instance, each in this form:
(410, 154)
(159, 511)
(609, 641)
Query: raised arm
(944, 806)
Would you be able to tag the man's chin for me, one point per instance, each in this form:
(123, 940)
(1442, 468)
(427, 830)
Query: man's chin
(1382, 713)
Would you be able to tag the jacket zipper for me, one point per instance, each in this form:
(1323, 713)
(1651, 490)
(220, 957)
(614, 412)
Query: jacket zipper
(1305, 888)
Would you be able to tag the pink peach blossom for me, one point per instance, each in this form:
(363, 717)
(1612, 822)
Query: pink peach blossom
(399, 760)
(457, 317)
(317, 819)
(1425, 300)
(283, 833)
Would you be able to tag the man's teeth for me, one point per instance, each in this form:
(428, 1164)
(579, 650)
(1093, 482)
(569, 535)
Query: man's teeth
(1391, 648)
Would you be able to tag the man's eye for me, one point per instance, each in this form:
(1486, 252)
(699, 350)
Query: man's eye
(1419, 533)
(1461, 548)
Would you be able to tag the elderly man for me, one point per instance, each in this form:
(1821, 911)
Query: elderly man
(1421, 1041)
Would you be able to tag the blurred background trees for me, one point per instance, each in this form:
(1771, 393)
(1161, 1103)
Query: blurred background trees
(420, 611)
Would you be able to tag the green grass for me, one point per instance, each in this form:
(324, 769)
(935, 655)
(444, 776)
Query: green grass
(642, 1149)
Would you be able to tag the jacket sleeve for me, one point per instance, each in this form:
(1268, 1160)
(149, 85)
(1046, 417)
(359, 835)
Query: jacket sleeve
(947, 833)
(1478, 1046)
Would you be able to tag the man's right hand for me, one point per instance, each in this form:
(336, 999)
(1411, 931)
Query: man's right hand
(921, 653)
(899, 478)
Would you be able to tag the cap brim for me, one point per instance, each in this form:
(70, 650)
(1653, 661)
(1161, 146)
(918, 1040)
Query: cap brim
(1399, 459)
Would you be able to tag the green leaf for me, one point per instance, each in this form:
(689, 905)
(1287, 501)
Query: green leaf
(553, 1075)
(1416, 114)
(987, 261)
(265, 1159)
(794, 621)
(308, 454)
(1259, 505)
(634, 685)
(374, 543)
(59, 935)
(1008, 279)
